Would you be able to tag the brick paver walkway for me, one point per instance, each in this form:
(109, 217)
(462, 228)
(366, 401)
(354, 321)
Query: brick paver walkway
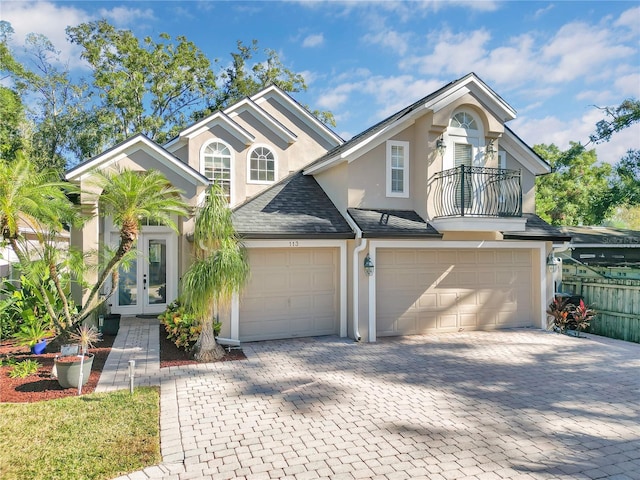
(516, 404)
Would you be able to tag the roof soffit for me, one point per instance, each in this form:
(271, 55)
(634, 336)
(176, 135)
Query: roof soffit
(523, 153)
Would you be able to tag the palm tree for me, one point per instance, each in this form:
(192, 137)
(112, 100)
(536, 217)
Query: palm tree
(219, 270)
(37, 201)
(129, 197)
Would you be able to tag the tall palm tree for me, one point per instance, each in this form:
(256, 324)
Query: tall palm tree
(129, 197)
(219, 270)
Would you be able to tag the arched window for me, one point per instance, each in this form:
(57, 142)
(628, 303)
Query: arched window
(262, 165)
(464, 120)
(216, 166)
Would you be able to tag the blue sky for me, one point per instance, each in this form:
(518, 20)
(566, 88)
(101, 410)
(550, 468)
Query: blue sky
(551, 61)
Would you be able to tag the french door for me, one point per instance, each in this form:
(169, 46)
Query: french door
(147, 284)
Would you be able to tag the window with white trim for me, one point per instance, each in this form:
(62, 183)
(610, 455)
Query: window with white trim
(397, 169)
(262, 165)
(216, 166)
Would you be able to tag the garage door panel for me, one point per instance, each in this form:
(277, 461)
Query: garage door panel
(292, 293)
(451, 289)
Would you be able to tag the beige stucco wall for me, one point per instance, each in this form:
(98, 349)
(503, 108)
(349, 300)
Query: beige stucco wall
(290, 157)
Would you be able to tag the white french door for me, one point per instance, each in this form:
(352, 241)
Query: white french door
(148, 283)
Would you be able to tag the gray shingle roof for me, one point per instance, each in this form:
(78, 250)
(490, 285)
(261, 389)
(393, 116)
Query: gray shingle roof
(376, 223)
(295, 207)
(603, 235)
(537, 229)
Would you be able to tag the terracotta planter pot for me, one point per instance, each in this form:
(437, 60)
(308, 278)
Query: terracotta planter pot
(68, 370)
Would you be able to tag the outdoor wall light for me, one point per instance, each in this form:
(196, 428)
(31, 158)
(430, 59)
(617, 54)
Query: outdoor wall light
(440, 146)
(368, 266)
(491, 151)
(552, 263)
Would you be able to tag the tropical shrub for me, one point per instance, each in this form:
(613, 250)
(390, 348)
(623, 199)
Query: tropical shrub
(24, 369)
(566, 316)
(182, 328)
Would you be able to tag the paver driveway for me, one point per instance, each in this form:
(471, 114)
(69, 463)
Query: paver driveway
(477, 405)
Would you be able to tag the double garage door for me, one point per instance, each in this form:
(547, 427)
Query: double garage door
(291, 293)
(426, 290)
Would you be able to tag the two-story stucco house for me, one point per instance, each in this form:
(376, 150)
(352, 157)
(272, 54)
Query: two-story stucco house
(424, 222)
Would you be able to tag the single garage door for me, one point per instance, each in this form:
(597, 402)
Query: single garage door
(426, 290)
(291, 293)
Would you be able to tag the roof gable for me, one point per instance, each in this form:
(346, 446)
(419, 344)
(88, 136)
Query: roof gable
(126, 148)
(433, 102)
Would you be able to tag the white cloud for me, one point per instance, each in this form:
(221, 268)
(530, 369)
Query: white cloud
(36, 17)
(541, 12)
(397, 42)
(123, 16)
(628, 85)
(630, 19)
(551, 129)
(578, 50)
(453, 53)
(314, 40)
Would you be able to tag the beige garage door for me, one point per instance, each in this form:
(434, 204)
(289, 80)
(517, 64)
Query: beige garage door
(291, 293)
(424, 290)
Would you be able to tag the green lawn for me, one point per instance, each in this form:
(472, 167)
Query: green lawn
(96, 436)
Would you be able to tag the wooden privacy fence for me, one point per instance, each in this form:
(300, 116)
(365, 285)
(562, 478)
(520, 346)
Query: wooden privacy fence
(616, 301)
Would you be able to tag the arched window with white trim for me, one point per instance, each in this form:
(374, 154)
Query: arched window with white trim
(262, 165)
(216, 165)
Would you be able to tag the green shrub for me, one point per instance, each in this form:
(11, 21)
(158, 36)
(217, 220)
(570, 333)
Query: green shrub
(24, 369)
(182, 328)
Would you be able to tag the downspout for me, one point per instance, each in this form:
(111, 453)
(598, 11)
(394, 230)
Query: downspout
(356, 263)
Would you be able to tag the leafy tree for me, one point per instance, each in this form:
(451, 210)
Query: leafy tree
(220, 268)
(144, 87)
(11, 128)
(618, 118)
(577, 192)
(53, 125)
(624, 217)
(627, 186)
(240, 81)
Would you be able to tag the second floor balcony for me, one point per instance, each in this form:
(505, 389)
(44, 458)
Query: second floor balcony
(477, 194)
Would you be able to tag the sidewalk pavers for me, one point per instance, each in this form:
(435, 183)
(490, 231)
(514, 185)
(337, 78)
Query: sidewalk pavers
(474, 405)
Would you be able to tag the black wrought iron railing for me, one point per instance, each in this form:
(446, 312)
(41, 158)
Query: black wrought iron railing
(477, 192)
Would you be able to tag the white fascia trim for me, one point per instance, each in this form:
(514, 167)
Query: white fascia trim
(264, 116)
(522, 153)
(146, 145)
(220, 117)
(302, 113)
(365, 146)
(457, 244)
(491, 97)
(604, 245)
(293, 243)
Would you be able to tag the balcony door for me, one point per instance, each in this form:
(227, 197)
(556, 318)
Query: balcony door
(149, 282)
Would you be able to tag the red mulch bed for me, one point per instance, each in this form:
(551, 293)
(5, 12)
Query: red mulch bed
(41, 386)
(171, 356)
